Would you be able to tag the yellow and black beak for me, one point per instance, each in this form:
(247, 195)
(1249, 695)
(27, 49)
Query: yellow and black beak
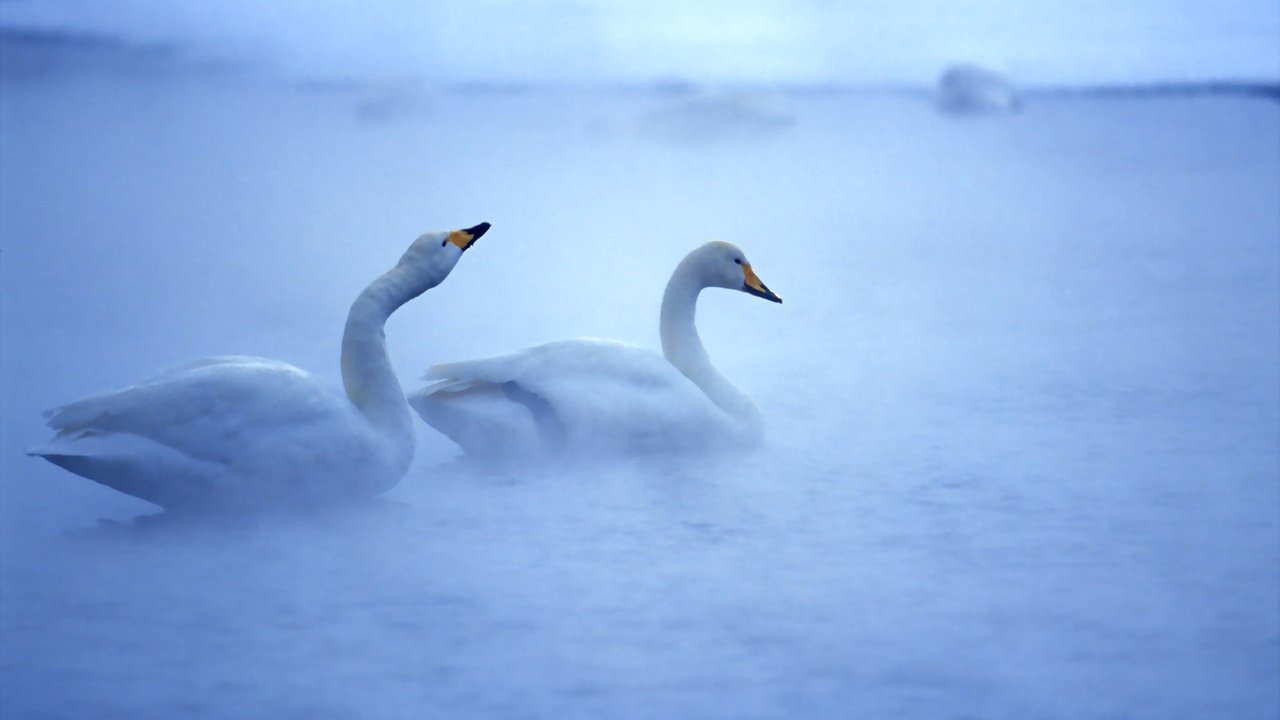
(466, 238)
(751, 284)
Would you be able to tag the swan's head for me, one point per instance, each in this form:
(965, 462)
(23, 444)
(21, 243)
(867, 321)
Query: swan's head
(725, 265)
(438, 252)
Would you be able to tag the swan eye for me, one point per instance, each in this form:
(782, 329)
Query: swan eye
(444, 242)
(738, 260)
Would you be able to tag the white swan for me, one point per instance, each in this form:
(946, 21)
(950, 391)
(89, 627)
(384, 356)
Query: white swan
(600, 397)
(246, 431)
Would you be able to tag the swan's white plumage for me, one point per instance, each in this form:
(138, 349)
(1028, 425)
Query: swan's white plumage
(601, 397)
(237, 431)
(249, 427)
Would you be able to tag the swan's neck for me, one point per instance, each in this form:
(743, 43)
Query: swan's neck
(367, 375)
(683, 348)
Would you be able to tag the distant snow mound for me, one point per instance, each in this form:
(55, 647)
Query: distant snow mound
(967, 89)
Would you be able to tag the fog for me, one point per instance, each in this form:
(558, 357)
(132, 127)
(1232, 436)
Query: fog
(608, 41)
(1022, 400)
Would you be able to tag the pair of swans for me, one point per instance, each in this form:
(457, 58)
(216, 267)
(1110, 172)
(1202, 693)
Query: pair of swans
(245, 431)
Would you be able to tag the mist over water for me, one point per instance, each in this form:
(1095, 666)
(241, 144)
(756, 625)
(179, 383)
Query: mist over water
(1022, 398)
(595, 42)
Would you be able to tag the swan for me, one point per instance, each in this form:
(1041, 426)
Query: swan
(593, 397)
(243, 432)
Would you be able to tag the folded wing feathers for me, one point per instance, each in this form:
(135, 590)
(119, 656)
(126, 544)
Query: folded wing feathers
(461, 376)
(77, 415)
(447, 385)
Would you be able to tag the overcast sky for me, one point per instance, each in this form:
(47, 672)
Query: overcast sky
(753, 40)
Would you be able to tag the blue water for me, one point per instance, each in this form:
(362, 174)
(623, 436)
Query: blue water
(1023, 403)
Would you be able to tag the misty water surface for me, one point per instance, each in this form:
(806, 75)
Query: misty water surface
(1023, 404)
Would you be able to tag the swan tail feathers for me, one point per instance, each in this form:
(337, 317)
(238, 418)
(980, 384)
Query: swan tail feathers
(131, 464)
(479, 417)
(436, 372)
(79, 415)
(449, 385)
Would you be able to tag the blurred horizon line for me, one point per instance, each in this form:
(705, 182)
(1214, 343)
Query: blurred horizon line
(37, 52)
(27, 54)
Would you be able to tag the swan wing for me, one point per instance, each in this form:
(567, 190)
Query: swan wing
(585, 393)
(204, 409)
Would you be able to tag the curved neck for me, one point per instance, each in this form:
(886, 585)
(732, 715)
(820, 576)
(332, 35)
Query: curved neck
(683, 348)
(367, 375)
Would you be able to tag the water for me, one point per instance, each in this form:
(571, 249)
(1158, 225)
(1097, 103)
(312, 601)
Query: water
(1023, 398)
